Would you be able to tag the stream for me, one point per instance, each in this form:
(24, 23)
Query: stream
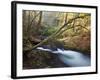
(69, 57)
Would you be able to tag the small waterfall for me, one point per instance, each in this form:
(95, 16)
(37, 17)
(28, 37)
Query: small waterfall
(69, 57)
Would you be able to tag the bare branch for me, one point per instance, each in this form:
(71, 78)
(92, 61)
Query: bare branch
(33, 19)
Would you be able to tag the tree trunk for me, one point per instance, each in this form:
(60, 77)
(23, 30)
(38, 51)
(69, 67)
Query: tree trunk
(39, 21)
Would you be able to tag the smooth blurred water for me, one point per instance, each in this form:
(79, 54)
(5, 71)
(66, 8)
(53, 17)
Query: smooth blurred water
(69, 57)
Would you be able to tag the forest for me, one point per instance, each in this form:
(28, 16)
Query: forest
(47, 31)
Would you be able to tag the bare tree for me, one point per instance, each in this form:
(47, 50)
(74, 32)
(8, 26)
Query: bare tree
(54, 34)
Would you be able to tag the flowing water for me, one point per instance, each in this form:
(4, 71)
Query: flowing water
(70, 57)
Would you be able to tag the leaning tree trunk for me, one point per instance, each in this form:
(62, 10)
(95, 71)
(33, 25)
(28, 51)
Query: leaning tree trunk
(54, 34)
